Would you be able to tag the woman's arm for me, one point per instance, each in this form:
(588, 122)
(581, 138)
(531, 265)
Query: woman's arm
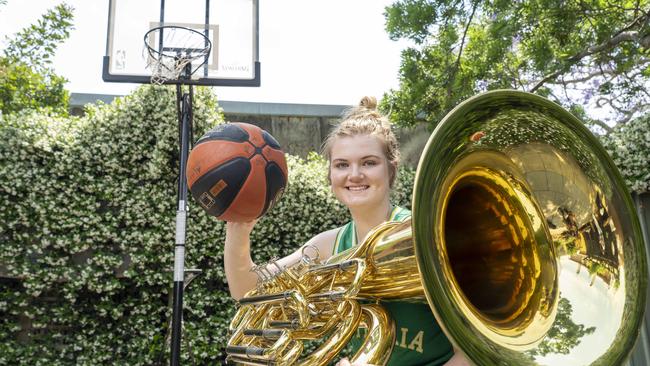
(237, 258)
(238, 262)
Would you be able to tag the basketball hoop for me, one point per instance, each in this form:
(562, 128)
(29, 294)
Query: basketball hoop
(216, 45)
(173, 51)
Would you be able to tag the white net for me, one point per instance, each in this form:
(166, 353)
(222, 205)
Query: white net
(172, 51)
(165, 69)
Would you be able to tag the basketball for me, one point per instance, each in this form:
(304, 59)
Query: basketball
(237, 172)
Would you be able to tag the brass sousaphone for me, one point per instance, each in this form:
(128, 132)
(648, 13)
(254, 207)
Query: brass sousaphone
(523, 241)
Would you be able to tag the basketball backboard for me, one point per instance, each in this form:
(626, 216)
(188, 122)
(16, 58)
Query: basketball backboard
(230, 25)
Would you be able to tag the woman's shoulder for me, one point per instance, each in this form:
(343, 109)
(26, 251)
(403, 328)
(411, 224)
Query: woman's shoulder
(329, 234)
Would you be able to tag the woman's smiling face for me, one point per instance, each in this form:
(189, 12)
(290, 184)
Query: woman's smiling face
(359, 171)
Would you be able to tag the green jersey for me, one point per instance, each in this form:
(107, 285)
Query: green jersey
(419, 341)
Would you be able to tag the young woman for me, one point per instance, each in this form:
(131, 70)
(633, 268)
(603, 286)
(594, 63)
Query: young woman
(363, 157)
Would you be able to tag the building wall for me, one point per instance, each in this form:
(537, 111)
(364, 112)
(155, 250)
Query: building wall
(299, 128)
(298, 135)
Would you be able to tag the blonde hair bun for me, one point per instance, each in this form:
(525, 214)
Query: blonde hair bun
(367, 109)
(368, 103)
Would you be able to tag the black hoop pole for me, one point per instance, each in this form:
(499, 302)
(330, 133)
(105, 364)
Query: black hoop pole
(184, 102)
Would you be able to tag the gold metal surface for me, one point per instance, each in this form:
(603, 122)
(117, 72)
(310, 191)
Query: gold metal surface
(523, 241)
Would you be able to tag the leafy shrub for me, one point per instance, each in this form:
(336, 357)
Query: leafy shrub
(87, 212)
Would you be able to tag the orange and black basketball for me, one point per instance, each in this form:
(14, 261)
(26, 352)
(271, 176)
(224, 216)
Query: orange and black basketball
(237, 172)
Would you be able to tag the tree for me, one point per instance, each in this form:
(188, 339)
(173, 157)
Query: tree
(23, 88)
(564, 335)
(27, 79)
(576, 52)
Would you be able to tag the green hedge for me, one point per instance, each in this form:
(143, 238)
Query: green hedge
(87, 212)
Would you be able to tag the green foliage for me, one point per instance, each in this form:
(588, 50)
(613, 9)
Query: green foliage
(35, 45)
(87, 211)
(27, 80)
(629, 147)
(574, 52)
(22, 88)
(80, 197)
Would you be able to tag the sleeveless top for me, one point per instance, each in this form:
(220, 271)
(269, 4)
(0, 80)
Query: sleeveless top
(418, 337)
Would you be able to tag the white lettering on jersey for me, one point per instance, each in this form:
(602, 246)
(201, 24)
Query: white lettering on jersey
(403, 344)
(416, 342)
